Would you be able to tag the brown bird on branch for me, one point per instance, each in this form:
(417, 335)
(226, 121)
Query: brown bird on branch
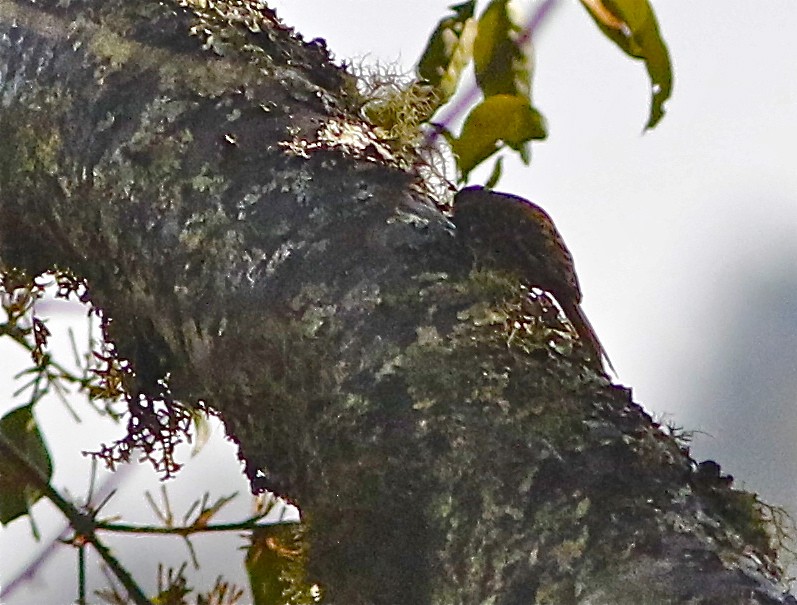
(509, 233)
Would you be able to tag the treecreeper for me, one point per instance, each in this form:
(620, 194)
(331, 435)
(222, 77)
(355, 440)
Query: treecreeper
(509, 233)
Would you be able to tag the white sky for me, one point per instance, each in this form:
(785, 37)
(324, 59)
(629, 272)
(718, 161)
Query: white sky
(685, 239)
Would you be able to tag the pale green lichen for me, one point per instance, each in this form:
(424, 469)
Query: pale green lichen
(111, 48)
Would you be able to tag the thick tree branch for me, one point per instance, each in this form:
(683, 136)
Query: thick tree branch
(253, 241)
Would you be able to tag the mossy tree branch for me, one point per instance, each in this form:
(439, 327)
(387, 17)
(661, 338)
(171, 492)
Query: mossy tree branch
(250, 238)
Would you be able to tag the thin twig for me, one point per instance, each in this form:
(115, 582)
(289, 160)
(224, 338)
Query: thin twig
(84, 525)
(186, 530)
(471, 93)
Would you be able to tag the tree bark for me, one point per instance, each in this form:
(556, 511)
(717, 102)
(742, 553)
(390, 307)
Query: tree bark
(257, 247)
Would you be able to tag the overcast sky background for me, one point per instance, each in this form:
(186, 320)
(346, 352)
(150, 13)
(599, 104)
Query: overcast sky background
(685, 242)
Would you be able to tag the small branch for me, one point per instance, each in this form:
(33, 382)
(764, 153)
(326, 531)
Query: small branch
(84, 525)
(188, 529)
(62, 372)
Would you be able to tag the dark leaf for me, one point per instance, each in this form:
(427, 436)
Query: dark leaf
(632, 25)
(449, 50)
(503, 66)
(17, 494)
(500, 118)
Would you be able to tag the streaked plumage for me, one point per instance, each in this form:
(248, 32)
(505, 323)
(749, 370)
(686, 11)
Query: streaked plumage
(510, 233)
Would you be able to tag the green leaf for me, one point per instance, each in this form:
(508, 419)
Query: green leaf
(17, 494)
(632, 25)
(495, 175)
(201, 430)
(449, 50)
(500, 118)
(275, 564)
(264, 566)
(502, 65)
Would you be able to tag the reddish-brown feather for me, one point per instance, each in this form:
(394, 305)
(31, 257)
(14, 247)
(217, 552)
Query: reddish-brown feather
(510, 233)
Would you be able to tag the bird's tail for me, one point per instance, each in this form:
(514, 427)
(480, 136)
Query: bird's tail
(575, 314)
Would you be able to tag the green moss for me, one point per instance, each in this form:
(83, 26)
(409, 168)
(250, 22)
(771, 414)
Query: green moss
(756, 523)
(40, 155)
(398, 108)
(111, 48)
(555, 592)
(32, 149)
(568, 552)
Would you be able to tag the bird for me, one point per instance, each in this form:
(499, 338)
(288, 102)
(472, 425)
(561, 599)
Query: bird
(510, 233)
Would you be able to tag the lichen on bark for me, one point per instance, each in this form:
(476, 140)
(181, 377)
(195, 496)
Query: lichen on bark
(252, 240)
